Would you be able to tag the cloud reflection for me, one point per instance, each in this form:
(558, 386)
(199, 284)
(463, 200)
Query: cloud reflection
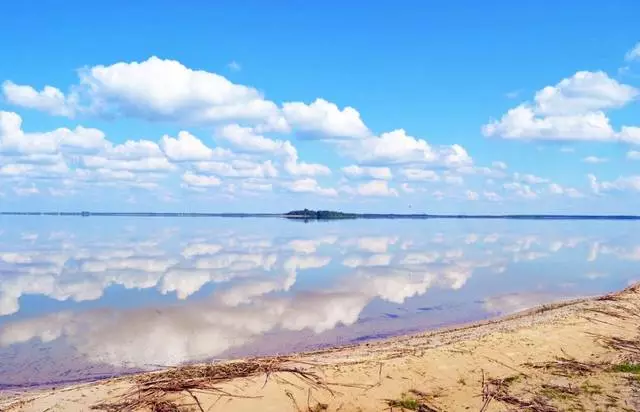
(248, 284)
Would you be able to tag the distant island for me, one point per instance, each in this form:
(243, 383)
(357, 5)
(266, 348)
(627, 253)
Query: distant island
(319, 214)
(309, 214)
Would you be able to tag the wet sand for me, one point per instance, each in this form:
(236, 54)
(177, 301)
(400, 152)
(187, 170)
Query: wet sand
(576, 355)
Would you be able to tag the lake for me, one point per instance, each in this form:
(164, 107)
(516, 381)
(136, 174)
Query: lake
(82, 298)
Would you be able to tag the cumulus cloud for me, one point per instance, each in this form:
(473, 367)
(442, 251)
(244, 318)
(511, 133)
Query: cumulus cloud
(573, 109)
(158, 89)
(595, 159)
(492, 196)
(297, 168)
(407, 188)
(420, 174)
(239, 168)
(355, 171)
(471, 195)
(499, 165)
(633, 54)
(194, 180)
(309, 185)
(162, 89)
(529, 178)
(621, 184)
(149, 164)
(521, 190)
(246, 139)
(522, 123)
(165, 90)
(374, 188)
(186, 147)
(583, 92)
(50, 99)
(397, 147)
(324, 120)
(13, 140)
(557, 189)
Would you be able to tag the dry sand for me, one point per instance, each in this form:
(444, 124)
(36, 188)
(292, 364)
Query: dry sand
(581, 355)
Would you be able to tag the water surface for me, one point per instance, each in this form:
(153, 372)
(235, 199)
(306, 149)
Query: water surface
(84, 298)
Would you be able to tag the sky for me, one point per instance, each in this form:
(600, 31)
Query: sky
(253, 106)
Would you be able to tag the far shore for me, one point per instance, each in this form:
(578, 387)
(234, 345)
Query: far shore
(581, 354)
(332, 215)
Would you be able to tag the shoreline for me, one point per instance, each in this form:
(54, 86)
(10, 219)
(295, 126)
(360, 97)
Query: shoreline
(469, 351)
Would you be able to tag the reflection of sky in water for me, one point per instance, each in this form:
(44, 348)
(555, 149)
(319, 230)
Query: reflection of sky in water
(87, 297)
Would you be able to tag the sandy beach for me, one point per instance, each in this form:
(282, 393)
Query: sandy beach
(576, 355)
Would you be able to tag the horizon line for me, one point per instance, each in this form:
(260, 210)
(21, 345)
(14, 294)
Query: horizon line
(346, 216)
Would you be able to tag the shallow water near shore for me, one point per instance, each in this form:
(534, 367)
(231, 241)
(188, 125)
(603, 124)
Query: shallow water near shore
(85, 298)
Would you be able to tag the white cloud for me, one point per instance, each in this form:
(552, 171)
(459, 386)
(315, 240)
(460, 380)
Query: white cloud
(14, 140)
(309, 185)
(633, 54)
(521, 190)
(595, 159)
(192, 179)
(186, 147)
(31, 170)
(529, 178)
(158, 89)
(583, 92)
(234, 66)
(356, 261)
(471, 195)
(245, 139)
(256, 186)
(629, 134)
(522, 123)
(420, 174)
(593, 183)
(323, 119)
(633, 155)
(50, 100)
(239, 168)
(453, 180)
(26, 191)
(297, 168)
(499, 165)
(149, 164)
(570, 110)
(407, 188)
(622, 184)
(397, 147)
(492, 196)
(134, 150)
(557, 189)
(355, 171)
(375, 188)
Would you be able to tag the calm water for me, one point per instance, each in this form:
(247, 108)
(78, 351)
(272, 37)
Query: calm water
(81, 298)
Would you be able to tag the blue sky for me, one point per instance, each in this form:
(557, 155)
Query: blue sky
(268, 106)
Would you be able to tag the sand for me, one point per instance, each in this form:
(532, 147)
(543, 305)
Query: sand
(581, 355)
